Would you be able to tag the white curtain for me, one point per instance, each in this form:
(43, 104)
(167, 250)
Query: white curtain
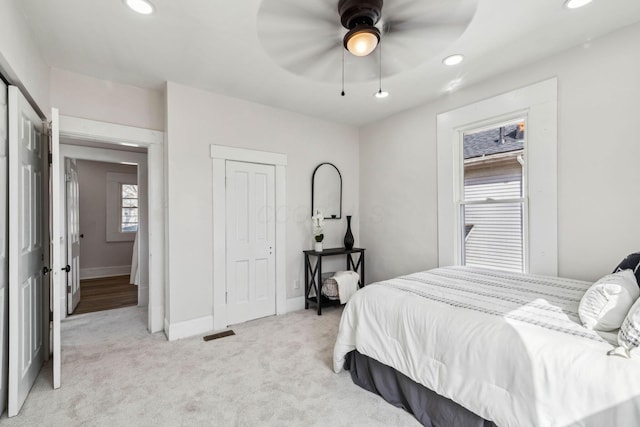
(134, 279)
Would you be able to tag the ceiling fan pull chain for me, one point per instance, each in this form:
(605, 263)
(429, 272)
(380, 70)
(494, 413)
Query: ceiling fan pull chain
(342, 71)
(380, 64)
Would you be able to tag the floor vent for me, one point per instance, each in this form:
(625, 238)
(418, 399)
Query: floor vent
(218, 335)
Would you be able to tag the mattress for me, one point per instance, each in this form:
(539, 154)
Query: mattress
(508, 347)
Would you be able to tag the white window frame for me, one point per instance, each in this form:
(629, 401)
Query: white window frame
(461, 202)
(114, 206)
(538, 104)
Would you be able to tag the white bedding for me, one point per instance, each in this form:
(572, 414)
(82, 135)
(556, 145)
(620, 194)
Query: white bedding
(507, 346)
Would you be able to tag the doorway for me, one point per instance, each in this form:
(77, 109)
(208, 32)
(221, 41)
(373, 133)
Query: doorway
(94, 136)
(220, 155)
(102, 211)
(105, 229)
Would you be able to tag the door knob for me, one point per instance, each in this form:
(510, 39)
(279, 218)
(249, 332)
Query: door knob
(67, 268)
(45, 270)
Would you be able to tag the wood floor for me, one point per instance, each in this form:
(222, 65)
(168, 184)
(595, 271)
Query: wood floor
(106, 293)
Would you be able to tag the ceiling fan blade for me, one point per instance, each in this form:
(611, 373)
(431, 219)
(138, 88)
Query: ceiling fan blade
(302, 60)
(299, 34)
(308, 12)
(444, 11)
(414, 31)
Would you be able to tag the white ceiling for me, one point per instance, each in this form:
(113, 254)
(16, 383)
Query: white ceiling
(214, 45)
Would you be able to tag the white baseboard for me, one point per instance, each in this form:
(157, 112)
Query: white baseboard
(97, 272)
(188, 328)
(295, 304)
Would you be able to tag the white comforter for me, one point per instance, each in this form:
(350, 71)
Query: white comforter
(506, 346)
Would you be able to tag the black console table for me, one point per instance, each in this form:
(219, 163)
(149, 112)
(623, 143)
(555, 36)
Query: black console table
(313, 274)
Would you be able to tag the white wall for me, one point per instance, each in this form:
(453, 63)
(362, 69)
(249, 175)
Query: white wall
(598, 152)
(96, 253)
(195, 120)
(77, 95)
(21, 61)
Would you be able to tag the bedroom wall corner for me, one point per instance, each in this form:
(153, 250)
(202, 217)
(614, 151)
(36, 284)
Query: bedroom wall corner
(597, 158)
(398, 194)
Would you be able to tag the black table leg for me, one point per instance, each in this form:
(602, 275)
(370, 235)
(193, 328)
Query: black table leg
(319, 286)
(362, 269)
(306, 281)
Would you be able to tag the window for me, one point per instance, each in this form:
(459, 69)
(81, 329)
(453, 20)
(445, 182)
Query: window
(537, 103)
(493, 197)
(129, 208)
(122, 206)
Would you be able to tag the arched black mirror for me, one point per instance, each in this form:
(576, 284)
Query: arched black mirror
(326, 191)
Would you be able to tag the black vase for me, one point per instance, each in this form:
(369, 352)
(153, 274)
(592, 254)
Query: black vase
(348, 237)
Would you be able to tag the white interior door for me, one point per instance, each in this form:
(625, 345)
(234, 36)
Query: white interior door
(26, 248)
(73, 235)
(4, 261)
(251, 275)
(57, 244)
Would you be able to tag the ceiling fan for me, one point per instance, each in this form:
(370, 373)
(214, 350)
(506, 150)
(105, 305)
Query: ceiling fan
(311, 38)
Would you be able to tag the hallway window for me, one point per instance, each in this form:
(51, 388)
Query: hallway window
(123, 204)
(129, 208)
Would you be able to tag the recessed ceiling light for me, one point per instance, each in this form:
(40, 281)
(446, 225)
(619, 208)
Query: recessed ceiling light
(574, 4)
(453, 59)
(381, 94)
(141, 6)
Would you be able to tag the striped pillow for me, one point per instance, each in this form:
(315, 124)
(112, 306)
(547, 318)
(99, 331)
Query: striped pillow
(629, 334)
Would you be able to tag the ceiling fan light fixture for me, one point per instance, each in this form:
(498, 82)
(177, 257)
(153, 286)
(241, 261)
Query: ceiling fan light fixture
(362, 40)
(453, 59)
(141, 6)
(574, 4)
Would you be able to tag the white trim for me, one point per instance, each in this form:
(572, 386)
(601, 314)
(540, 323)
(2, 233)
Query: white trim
(220, 154)
(281, 238)
(98, 272)
(295, 304)
(151, 266)
(92, 130)
(249, 156)
(538, 104)
(188, 328)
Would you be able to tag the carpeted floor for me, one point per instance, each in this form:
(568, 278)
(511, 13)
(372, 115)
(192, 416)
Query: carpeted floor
(274, 372)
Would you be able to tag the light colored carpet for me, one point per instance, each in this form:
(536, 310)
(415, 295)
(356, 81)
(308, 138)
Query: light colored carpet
(275, 372)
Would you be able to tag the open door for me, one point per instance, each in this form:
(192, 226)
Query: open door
(57, 244)
(26, 248)
(4, 262)
(73, 234)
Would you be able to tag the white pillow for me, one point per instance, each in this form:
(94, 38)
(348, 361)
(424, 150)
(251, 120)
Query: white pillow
(629, 335)
(605, 305)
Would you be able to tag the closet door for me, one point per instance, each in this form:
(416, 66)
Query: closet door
(27, 150)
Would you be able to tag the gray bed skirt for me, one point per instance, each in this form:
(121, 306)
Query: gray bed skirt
(427, 406)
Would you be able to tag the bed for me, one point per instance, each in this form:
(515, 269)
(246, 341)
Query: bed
(507, 348)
